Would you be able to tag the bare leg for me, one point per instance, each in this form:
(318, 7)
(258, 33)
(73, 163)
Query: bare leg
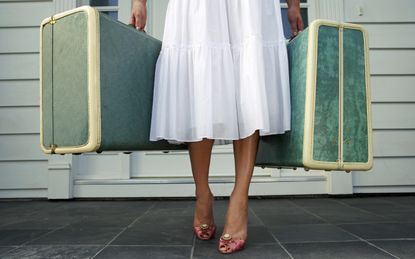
(200, 154)
(245, 151)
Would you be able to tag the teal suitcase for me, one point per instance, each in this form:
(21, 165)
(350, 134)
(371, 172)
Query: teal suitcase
(330, 102)
(96, 81)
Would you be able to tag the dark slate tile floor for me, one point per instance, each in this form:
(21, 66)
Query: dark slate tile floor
(282, 227)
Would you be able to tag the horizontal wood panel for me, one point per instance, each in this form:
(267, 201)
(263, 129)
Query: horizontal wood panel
(153, 164)
(16, 40)
(18, 120)
(90, 189)
(387, 172)
(394, 143)
(19, 93)
(393, 116)
(391, 35)
(380, 10)
(24, 193)
(23, 174)
(392, 62)
(25, 13)
(93, 166)
(393, 88)
(21, 147)
(19, 66)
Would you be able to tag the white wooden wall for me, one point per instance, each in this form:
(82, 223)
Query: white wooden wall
(23, 167)
(391, 26)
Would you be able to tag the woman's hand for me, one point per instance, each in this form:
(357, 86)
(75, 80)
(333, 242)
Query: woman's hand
(139, 14)
(294, 16)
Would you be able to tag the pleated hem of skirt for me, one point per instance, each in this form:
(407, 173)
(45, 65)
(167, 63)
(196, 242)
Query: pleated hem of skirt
(220, 140)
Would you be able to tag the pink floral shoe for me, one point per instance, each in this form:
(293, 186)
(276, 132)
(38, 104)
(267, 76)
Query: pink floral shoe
(204, 231)
(228, 245)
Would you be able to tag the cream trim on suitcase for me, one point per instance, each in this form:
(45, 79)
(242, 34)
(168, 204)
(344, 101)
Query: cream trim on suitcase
(311, 79)
(94, 100)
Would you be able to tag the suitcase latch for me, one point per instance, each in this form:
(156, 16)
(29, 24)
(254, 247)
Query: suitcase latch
(52, 20)
(53, 148)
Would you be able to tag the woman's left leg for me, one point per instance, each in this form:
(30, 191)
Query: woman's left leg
(245, 151)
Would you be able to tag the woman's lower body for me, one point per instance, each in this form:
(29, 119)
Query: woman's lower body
(222, 74)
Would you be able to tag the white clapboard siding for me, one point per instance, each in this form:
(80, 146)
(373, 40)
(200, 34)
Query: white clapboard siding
(19, 93)
(24, 147)
(392, 62)
(387, 171)
(393, 116)
(379, 11)
(15, 40)
(394, 143)
(146, 164)
(391, 35)
(19, 120)
(393, 88)
(24, 174)
(23, 166)
(24, 13)
(391, 28)
(107, 165)
(19, 66)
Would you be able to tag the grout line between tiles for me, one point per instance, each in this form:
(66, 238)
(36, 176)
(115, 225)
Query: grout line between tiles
(6, 252)
(382, 199)
(124, 229)
(26, 215)
(366, 211)
(371, 244)
(371, 222)
(272, 234)
(391, 239)
(358, 237)
(387, 220)
(324, 241)
(24, 243)
(193, 247)
(309, 212)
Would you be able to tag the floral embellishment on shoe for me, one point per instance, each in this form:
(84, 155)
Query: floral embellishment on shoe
(229, 245)
(205, 231)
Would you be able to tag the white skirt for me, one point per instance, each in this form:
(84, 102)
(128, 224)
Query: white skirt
(222, 72)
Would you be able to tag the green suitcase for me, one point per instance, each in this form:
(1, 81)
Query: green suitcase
(96, 81)
(330, 102)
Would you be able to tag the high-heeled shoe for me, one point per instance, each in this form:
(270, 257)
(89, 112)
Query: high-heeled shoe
(205, 231)
(231, 245)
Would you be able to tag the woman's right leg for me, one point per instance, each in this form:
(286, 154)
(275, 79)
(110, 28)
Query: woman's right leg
(200, 154)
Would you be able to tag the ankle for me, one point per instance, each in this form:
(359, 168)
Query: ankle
(203, 194)
(240, 196)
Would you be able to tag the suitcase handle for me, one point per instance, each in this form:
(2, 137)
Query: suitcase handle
(132, 25)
